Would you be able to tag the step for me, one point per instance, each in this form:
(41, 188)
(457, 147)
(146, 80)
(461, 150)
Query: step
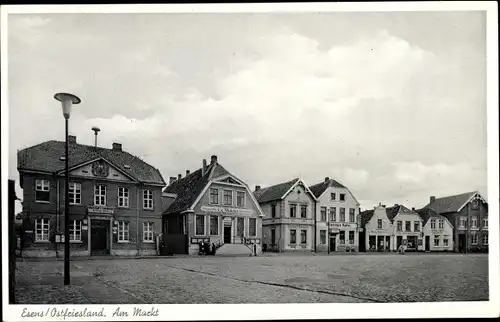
(233, 249)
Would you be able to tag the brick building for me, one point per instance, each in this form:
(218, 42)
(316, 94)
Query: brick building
(468, 214)
(115, 200)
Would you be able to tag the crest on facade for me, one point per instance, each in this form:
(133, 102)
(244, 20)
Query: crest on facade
(100, 169)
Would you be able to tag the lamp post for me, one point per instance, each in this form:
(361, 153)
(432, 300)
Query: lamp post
(67, 100)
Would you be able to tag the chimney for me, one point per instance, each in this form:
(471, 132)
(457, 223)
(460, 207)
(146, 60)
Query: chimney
(179, 176)
(96, 131)
(327, 179)
(383, 206)
(413, 208)
(187, 172)
(213, 159)
(433, 198)
(257, 188)
(395, 205)
(71, 139)
(204, 167)
(117, 146)
(172, 179)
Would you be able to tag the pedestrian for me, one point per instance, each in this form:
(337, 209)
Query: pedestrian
(401, 249)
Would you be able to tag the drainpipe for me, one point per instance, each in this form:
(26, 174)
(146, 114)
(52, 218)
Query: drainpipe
(58, 207)
(315, 227)
(139, 188)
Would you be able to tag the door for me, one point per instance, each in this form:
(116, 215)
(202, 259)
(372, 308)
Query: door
(99, 237)
(227, 234)
(427, 243)
(387, 243)
(273, 237)
(399, 241)
(333, 245)
(461, 243)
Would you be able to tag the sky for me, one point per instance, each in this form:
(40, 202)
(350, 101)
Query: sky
(390, 104)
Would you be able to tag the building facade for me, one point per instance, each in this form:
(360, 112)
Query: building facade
(407, 228)
(114, 200)
(377, 228)
(289, 210)
(468, 214)
(337, 217)
(212, 206)
(438, 231)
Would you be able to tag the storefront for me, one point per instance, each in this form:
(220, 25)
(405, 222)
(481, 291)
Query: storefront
(343, 237)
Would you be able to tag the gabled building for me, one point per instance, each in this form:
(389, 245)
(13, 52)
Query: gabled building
(289, 210)
(468, 214)
(438, 231)
(407, 228)
(210, 205)
(337, 217)
(114, 200)
(378, 230)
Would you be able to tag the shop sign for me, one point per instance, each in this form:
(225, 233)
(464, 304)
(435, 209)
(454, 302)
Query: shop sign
(227, 210)
(100, 210)
(343, 225)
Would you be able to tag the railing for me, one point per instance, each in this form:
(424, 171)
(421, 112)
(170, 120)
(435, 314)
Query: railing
(218, 243)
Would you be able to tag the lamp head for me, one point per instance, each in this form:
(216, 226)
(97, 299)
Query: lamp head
(67, 100)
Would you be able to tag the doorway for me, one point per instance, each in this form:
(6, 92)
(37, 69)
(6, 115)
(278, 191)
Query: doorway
(461, 243)
(427, 243)
(399, 241)
(333, 243)
(227, 234)
(99, 237)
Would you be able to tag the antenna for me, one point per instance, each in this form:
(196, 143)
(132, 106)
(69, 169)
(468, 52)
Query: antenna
(96, 130)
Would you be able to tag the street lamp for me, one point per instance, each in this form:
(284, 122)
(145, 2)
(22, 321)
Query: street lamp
(67, 101)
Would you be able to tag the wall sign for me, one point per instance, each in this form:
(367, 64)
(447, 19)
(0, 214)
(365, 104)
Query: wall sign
(343, 225)
(227, 210)
(100, 210)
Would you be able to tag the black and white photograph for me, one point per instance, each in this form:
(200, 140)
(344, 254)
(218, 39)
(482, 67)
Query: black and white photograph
(312, 153)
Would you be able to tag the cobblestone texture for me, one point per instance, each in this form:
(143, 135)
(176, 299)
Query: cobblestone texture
(272, 279)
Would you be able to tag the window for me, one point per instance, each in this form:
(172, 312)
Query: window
(351, 237)
(407, 225)
(352, 215)
(293, 211)
(228, 197)
(433, 223)
(485, 239)
(322, 237)
(303, 211)
(323, 213)
(240, 199)
(474, 222)
(332, 196)
(200, 225)
(214, 196)
(75, 193)
(214, 225)
(123, 231)
(400, 225)
(474, 238)
(273, 211)
(42, 190)
(147, 199)
(303, 236)
(147, 231)
(441, 224)
(123, 197)
(333, 214)
(342, 197)
(252, 227)
(485, 223)
(273, 236)
(100, 195)
(342, 214)
(75, 230)
(436, 241)
(342, 237)
(379, 223)
(463, 222)
(416, 226)
(445, 241)
(241, 226)
(42, 229)
(293, 237)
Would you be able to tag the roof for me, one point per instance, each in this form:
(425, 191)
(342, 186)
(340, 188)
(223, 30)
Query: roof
(275, 192)
(319, 188)
(392, 212)
(46, 157)
(426, 214)
(189, 188)
(451, 203)
(366, 216)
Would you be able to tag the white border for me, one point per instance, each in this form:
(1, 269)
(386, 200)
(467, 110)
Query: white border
(292, 311)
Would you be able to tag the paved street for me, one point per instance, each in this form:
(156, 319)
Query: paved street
(270, 279)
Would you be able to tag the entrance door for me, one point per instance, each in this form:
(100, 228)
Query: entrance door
(227, 234)
(399, 241)
(427, 243)
(333, 245)
(99, 236)
(461, 243)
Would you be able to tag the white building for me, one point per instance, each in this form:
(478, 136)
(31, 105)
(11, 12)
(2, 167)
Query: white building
(437, 230)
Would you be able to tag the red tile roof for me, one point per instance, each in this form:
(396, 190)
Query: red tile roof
(46, 157)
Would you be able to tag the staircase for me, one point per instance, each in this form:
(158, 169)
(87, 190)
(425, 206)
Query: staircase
(233, 250)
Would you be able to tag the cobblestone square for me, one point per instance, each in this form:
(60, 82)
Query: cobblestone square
(264, 279)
